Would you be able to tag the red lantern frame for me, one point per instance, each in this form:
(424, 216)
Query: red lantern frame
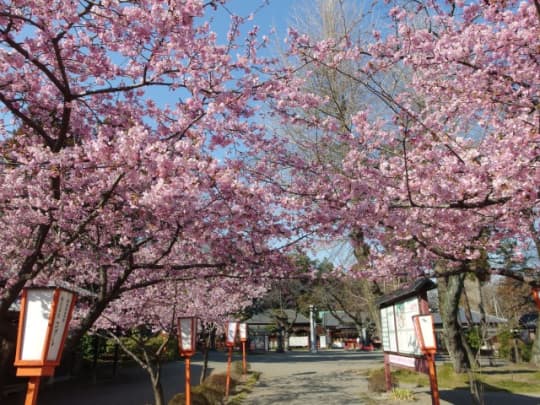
(53, 306)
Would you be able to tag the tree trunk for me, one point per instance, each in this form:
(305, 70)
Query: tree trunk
(157, 388)
(535, 355)
(7, 355)
(450, 289)
(204, 370)
(210, 333)
(8, 340)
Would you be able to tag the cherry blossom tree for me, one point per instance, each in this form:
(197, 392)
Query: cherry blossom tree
(449, 170)
(120, 127)
(155, 309)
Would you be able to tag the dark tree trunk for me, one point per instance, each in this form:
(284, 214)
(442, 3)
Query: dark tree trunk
(8, 340)
(157, 388)
(204, 370)
(450, 289)
(7, 355)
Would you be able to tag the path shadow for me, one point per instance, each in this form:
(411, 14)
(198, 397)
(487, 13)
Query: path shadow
(130, 386)
(492, 396)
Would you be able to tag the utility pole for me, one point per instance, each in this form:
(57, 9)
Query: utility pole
(312, 330)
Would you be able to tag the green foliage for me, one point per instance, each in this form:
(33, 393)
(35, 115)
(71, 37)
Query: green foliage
(87, 346)
(135, 341)
(525, 351)
(474, 338)
(508, 344)
(505, 339)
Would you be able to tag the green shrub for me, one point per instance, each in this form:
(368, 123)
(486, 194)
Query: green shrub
(152, 343)
(507, 348)
(525, 351)
(505, 339)
(474, 338)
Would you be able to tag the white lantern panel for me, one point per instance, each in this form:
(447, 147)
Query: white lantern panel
(242, 328)
(231, 332)
(63, 306)
(185, 334)
(34, 333)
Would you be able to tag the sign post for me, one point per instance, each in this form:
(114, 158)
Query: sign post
(43, 326)
(242, 329)
(230, 338)
(187, 332)
(423, 325)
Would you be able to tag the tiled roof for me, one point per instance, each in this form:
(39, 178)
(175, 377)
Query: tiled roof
(476, 318)
(268, 317)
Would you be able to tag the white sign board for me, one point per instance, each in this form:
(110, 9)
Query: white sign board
(389, 340)
(34, 333)
(322, 342)
(405, 332)
(298, 341)
(65, 299)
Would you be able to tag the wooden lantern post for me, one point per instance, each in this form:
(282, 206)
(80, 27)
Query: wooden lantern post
(242, 329)
(187, 333)
(423, 326)
(43, 326)
(230, 338)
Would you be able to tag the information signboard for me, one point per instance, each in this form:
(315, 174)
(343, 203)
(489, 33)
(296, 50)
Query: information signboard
(398, 334)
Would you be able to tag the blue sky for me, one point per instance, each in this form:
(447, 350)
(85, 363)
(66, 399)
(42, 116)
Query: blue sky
(268, 14)
(271, 16)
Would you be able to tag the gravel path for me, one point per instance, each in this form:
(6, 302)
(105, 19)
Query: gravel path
(301, 378)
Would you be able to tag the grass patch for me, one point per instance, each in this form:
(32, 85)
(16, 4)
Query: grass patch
(410, 377)
(402, 394)
(511, 378)
(447, 378)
